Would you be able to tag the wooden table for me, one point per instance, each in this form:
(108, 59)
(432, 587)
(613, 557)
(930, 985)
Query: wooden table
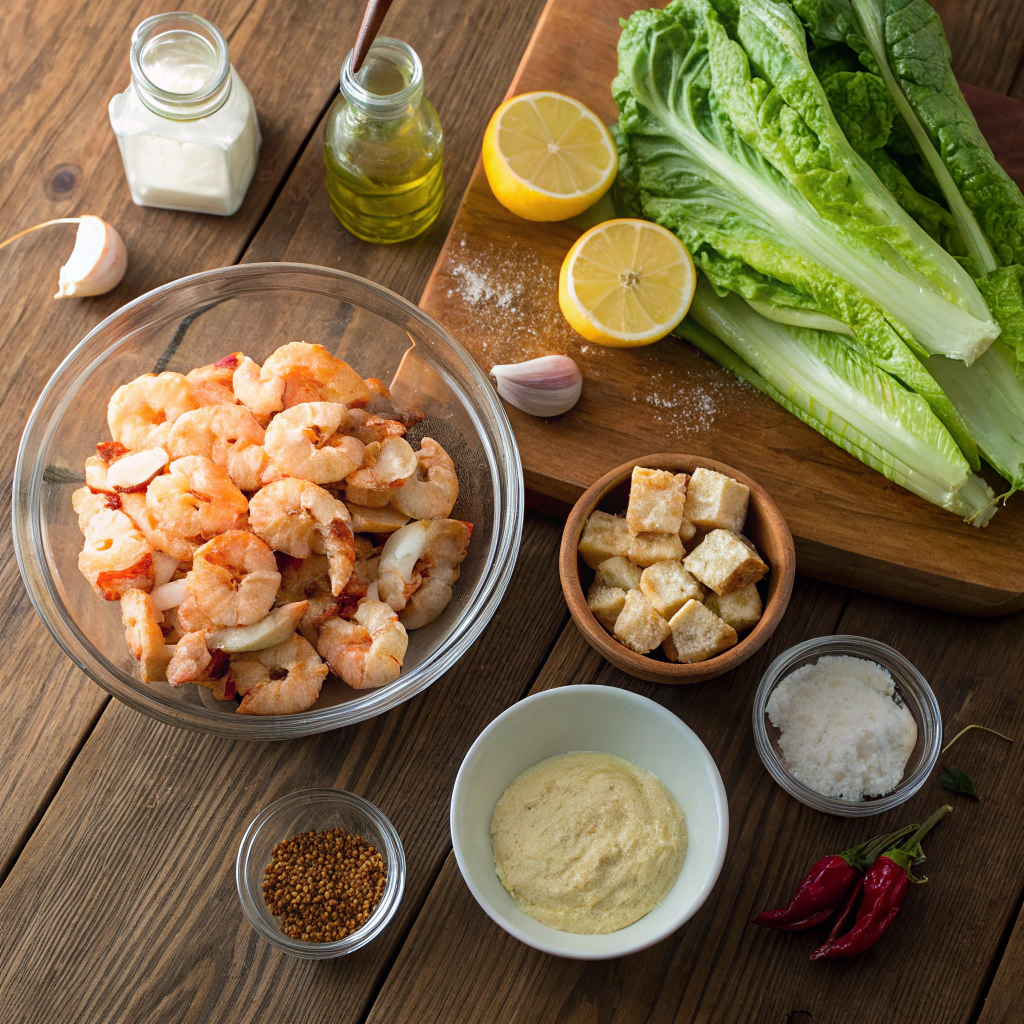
(118, 835)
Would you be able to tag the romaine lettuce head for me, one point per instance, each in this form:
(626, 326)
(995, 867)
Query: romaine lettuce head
(729, 85)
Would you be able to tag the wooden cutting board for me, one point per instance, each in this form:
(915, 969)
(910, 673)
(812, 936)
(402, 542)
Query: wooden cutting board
(495, 288)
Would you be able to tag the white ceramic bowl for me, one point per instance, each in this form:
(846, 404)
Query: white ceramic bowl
(614, 721)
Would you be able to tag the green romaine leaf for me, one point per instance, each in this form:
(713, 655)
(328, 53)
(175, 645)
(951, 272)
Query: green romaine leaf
(991, 397)
(782, 112)
(957, 781)
(903, 40)
(683, 166)
(829, 385)
(687, 89)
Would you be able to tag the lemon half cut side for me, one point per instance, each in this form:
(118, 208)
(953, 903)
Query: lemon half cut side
(626, 283)
(547, 157)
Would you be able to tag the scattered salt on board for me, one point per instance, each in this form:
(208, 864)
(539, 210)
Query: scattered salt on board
(843, 735)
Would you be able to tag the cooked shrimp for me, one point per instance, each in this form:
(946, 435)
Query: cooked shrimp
(189, 618)
(388, 466)
(431, 491)
(116, 557)
(280, 680)
(303, 442)
(418, 567)
(145, 637)
(136, 507)
(311, 374)
(196, 498)
(382, 404)
(141, 412)
(367, 652)
(306, 579)
(190, 660)
(251, 467)
(213, 431)
(234, 579)
(299, 518)
(368, 427)
(227, 435)
(211, 384)
(87, 502)
(261, 392)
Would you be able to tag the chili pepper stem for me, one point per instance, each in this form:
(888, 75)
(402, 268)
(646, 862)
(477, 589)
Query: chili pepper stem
(45, 224)
(916, 838)
(968, 728)
(869, 852)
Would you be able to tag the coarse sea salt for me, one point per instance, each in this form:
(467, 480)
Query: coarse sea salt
(843, 734)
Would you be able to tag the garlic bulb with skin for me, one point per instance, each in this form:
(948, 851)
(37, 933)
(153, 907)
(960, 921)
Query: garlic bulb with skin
(96, 264)
(545, 386)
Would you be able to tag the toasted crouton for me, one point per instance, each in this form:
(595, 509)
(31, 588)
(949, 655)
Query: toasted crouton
(741, 609)
(715, 501)
(647, 548)
(686, 530)
(604, 537)
(639, 627)
(606, 603)
(618, 572)
(656, 500)
(725, 561)
(697, 634)
(669, 586)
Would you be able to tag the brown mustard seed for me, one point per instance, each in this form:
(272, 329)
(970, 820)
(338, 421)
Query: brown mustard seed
(325, 885)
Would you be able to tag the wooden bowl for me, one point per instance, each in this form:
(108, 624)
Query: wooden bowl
(765, 527)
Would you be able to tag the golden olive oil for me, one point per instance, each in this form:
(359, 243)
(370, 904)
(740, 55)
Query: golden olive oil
(383, 148)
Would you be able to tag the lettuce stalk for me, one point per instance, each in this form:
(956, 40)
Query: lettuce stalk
(821, 379)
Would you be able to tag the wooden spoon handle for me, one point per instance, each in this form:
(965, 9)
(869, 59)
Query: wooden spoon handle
(373, 16)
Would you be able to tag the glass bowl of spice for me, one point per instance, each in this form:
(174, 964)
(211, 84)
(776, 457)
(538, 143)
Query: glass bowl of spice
(320, 873)
(847, 725)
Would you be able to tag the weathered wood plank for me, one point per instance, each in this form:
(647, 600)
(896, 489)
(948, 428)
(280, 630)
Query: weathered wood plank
(987, 40)
(459, 966)
(123, 904)
(1002, 1001)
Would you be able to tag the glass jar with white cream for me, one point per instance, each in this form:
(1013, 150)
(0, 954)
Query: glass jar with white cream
(186, 125)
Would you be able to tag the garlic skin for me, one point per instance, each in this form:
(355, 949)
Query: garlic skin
(545, 386)
(97, 263)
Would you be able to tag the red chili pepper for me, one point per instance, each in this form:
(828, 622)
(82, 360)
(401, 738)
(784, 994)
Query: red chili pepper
(847, 912)
(885, 886)
(826, 885)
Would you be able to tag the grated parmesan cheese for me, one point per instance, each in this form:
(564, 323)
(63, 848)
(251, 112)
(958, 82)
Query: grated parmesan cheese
(843, 734)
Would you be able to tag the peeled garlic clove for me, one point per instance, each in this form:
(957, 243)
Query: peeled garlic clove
(168, 595)
(134, 472)
(96, 264)
(546, 386)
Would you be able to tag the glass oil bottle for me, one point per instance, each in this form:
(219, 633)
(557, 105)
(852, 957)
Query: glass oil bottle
(383, 147)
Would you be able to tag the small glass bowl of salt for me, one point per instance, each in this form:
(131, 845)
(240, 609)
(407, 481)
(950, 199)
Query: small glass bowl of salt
(844, 725)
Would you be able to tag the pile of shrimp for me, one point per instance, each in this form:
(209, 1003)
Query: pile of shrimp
(264, 526)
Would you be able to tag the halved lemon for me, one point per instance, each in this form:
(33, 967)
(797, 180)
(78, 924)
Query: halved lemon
(626, 283)
(547, 157)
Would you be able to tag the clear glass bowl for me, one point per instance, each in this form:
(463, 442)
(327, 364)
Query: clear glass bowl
(256, 308)
(315, 810)
(911, 690)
